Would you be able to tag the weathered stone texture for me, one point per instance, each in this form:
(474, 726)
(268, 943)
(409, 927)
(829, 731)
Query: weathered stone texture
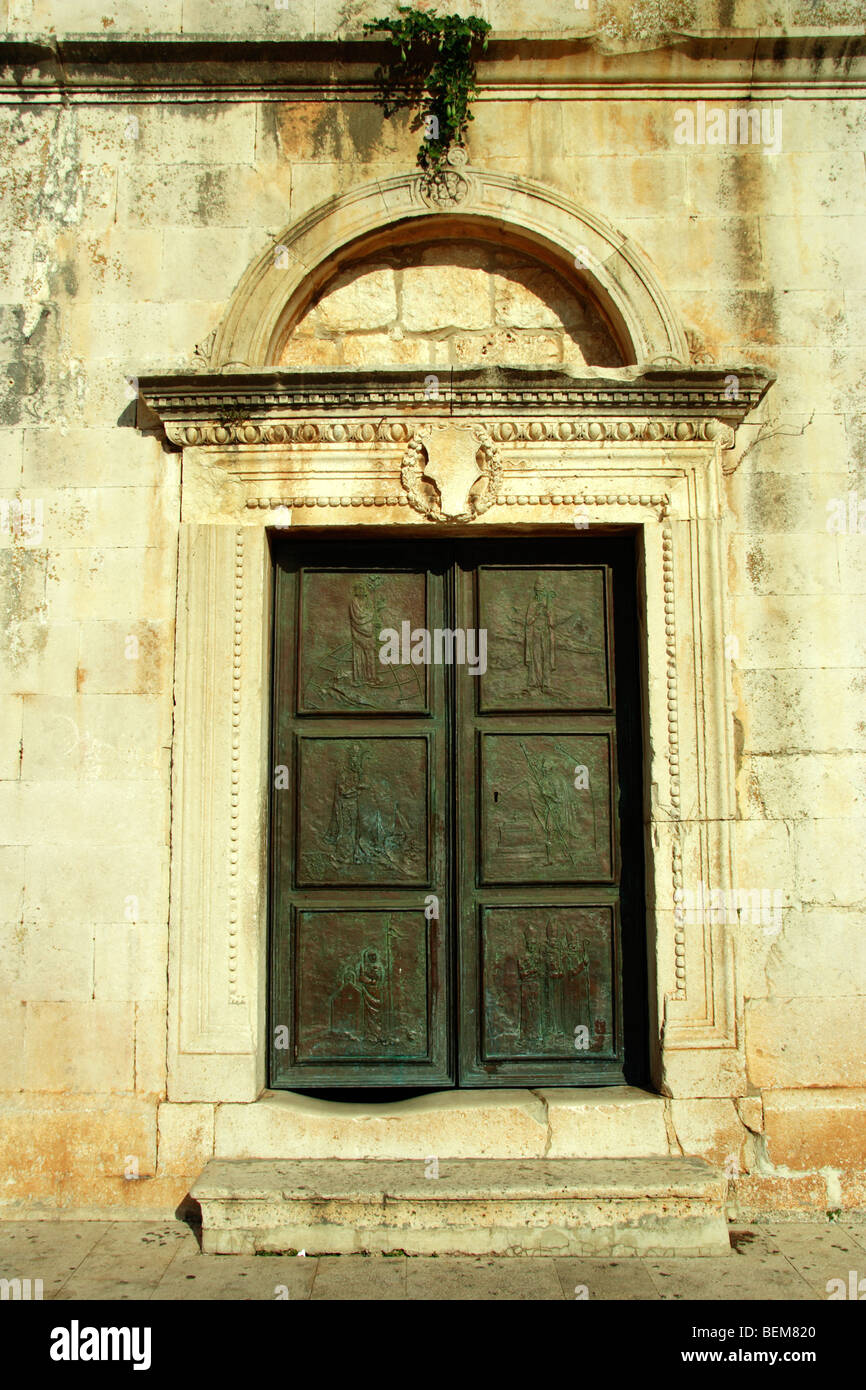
(126, 225)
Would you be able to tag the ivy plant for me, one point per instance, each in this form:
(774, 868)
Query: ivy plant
(435, 70)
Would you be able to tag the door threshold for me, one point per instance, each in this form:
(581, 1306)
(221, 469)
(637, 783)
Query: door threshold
(565, 1122)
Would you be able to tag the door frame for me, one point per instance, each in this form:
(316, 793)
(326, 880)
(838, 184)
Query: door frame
(260, 450)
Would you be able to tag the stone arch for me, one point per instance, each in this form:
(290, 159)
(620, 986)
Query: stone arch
(517, 212)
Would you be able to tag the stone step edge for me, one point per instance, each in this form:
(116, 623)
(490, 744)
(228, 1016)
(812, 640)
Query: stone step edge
(366, 1180)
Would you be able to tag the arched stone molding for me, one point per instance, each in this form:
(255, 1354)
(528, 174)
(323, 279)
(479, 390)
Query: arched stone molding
(514, 211)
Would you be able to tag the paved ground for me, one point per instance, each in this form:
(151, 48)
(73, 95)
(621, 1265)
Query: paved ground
(142, 1260)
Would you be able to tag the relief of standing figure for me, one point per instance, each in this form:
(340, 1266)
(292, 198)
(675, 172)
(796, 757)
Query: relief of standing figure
(363, 624)
(344, 831)
(539, 641)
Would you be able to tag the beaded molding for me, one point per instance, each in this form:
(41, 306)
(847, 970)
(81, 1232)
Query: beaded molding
(673, 752)
(519, 431)
(235, 997)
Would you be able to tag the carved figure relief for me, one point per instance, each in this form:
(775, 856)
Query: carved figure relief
(342, 615)
(364, 814)
(539, 641)
(364, 988)
(541, 821)
(547, 639)
(547, 981)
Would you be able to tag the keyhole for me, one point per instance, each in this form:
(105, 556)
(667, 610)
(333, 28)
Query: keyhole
(496, 796)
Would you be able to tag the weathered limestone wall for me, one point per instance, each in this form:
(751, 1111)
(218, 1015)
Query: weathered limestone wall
(125, 225)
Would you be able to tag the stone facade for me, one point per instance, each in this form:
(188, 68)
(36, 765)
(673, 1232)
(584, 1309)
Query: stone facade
(177, 231)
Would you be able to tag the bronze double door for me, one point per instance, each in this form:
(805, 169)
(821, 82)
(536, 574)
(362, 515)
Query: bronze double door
(456, 817)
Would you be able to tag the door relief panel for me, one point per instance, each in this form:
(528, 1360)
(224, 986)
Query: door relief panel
(547, 982)
(545, 808)
(547, 639)
(342, 614)
(365, 991)
(363, 811)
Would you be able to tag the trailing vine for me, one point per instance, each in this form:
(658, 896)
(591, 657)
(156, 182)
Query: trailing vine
(436, 70)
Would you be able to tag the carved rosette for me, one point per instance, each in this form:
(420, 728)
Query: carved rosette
(448, 187)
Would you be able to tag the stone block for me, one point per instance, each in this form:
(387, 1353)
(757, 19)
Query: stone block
(205, 263)
(151, 1024)
(508, 347)
(639, 186)
(759, 1194)
(715, 244)
(11, 882)
(194, 195)
(104, 16)
(806, 1042)
(852, 557)
(828, 853)
(129, 962)
(125, 583)
(139, 335)
(95, 737)
(57, 457)
(133, 658)
(437, 296)
(765, 863)
(38, 658)
(812, 708)
(468, 1124)
(646, 1206)
(13, 1028)
(166, 134)
(185, 1138)
(91, 813)
(248, 17)
(605, 1122)
(314, 183)
(383, 350)
(65, 1152)
(784, 564)
(362, 299)
(821, 953)
(106, 883)
(46, 961)
(535, 299)
(816, 1128)
(712, 1129)
(751, 1112)
(11, 448)
(11, 736)
(311, 352)
(804, 631)
(781, 502)
(87, 1047)
(116, 265)
(799, 786)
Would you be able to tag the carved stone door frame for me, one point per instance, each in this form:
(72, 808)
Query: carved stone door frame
(312, 451)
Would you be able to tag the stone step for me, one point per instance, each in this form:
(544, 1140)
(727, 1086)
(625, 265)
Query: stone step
(536, 1206)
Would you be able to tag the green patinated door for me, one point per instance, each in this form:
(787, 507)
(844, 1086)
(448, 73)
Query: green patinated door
(456, 829)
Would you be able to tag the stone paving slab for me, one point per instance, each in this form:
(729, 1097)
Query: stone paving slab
(489, 1279)
(118, 1261)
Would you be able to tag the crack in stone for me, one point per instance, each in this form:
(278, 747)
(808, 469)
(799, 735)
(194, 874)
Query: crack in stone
(542, 1100)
